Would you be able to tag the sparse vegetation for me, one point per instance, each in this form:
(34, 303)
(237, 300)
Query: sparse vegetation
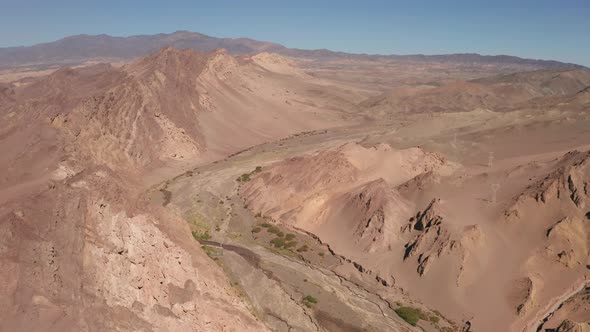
(201, 236)
(256, 230)
(309, 301)
(274, 230)
(290, 244)
(303, 248)
(278, 242)
(210, 251)
(246, 176)
(289, 237)
(266, 225)
(413, 315)
(409, 314)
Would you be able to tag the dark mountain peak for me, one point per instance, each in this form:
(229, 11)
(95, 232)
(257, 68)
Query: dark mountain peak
(80, 48)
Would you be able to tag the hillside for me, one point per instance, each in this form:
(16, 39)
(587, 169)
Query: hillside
(543, 88)
(80, 246)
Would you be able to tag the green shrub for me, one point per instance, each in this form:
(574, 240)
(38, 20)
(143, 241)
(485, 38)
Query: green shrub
(201, 236)
(303, 248)
(410, 315)
(266, 225)
(256, 230)
(309, 301)
(290, 244)
(244, 177)
(273, 230)
(278, 242)
(289, 237)
(210, 252)
(280, 234)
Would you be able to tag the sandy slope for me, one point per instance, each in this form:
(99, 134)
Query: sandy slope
(502, 252)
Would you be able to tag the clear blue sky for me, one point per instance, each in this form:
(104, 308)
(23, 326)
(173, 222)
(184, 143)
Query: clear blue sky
(558, 29)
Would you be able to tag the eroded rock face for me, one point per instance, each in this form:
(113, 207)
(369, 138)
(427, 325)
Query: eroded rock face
(521, 295)
(430, 237)
(552, 212)
(146, 118)
(350, 183)
(569, 326)
(565, 191)
(376, 209)
(81, 250)
(80, 257)
(568, 183)
(569, 240)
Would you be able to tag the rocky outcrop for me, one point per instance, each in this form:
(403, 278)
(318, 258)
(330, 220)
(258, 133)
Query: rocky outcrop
(87, 259)
(569, 181)
(372, 206)
(430, 238)
(82, 250)
(570, 326)
(568, 242)
(521, 295)
(148, 118)
(282, 190)
(348, 185)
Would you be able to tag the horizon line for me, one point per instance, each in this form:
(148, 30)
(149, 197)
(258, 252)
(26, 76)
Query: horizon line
(292, 48)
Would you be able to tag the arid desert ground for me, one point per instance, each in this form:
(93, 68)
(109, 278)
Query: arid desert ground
(253, 187)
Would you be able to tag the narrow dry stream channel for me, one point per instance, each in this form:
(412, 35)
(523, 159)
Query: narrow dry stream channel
(362, 300)
(289, 290)
(538, 325)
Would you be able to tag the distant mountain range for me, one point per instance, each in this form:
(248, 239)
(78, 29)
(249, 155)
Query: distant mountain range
(80, 48)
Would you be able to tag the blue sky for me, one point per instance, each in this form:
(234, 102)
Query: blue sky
(537, 29)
